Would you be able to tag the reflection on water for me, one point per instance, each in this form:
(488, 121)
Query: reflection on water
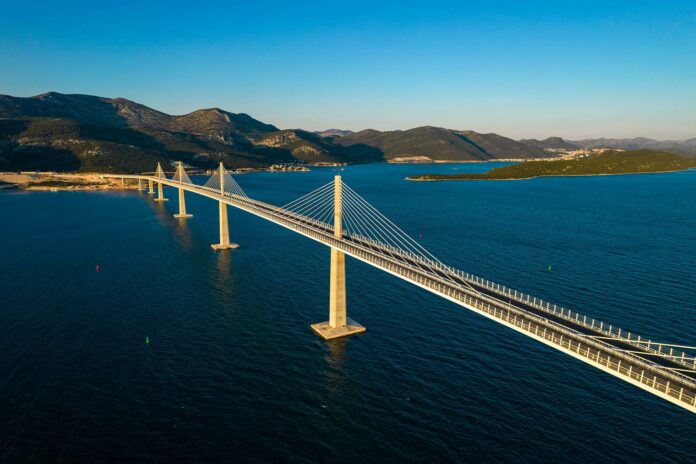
(183, 233)
(336, 380)
(223, 280)
(337, 352)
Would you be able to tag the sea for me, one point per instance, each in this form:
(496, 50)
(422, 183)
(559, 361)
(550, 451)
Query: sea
(125, 338)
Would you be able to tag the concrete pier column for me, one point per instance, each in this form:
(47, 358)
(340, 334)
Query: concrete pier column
(337, 290)
(225, 243)
(182, 200)
(160, 193)
(140, 185)
(182, 206)
(338, 324)
(151, 186)
(123, 183)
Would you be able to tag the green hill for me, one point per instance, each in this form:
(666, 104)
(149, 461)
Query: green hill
(60, 132)
(607, 163)
(550, 143)
(440, 144)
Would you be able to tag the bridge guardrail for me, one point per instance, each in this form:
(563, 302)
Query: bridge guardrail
(606, 329)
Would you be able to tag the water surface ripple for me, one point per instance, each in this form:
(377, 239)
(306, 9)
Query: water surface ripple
(233, 372)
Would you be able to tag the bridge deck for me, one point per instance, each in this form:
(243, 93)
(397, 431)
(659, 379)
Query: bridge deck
(634, 360)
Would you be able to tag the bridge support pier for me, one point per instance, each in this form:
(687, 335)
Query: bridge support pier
(338, 325)
(224, 228)
(182, 206)
(160, 193)
(225, 243)
(140, 185)
(151, 186)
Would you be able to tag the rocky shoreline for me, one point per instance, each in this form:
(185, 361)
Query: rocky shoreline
(50, 181)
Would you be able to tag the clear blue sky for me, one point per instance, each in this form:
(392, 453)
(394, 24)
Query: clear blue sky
(522, 69)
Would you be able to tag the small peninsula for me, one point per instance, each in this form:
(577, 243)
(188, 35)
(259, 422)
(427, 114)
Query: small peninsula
(607, 163)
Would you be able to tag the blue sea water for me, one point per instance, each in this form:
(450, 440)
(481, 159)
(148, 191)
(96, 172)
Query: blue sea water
(233, 372)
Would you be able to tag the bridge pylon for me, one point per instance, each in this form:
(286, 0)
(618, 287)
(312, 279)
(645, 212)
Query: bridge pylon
(151, 187)
(160, 190)
(224, 243)
(180, 175)
(338, 325)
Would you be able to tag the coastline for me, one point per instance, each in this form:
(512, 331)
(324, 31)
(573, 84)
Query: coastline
(553, 175)
(52, 181)
(78, 181)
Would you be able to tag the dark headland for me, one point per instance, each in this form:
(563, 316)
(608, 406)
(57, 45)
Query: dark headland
(608, 163)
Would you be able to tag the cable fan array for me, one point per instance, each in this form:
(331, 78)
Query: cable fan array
(230, 187)
(364, 225)
(181, 176)
(159, 172)
(315, 207)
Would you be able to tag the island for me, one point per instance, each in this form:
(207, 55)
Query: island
(611, 162)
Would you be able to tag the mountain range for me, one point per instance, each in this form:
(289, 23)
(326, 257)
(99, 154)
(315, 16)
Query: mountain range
(684, 147)
(55, 131)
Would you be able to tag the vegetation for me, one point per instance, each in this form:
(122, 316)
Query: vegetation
(607, 163)
(63, 184)
(60, 132)
(438, 143)
(85, 133)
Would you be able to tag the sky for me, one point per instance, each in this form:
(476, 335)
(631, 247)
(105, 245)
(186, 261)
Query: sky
(523, 69)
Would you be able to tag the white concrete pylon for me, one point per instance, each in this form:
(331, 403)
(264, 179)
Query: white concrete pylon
(338, 324)
(160, 190)
(224, 243)
(182, 199)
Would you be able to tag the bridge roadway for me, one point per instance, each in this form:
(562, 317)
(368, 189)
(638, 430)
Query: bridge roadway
(632, 360)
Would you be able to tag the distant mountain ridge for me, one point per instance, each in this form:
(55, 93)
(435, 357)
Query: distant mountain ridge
(440, 144)
(120, 112)
(334, 133)
(55, 131)
(684, 147)
(554, 143)
(84, 132)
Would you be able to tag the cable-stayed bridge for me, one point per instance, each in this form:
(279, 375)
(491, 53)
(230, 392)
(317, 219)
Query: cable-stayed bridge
(338, 217)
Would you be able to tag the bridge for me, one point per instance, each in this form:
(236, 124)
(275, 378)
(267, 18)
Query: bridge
(338, 217)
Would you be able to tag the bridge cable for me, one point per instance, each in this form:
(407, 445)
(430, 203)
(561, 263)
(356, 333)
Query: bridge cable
(231, 188)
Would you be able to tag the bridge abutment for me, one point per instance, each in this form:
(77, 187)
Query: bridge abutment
(338, 324)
